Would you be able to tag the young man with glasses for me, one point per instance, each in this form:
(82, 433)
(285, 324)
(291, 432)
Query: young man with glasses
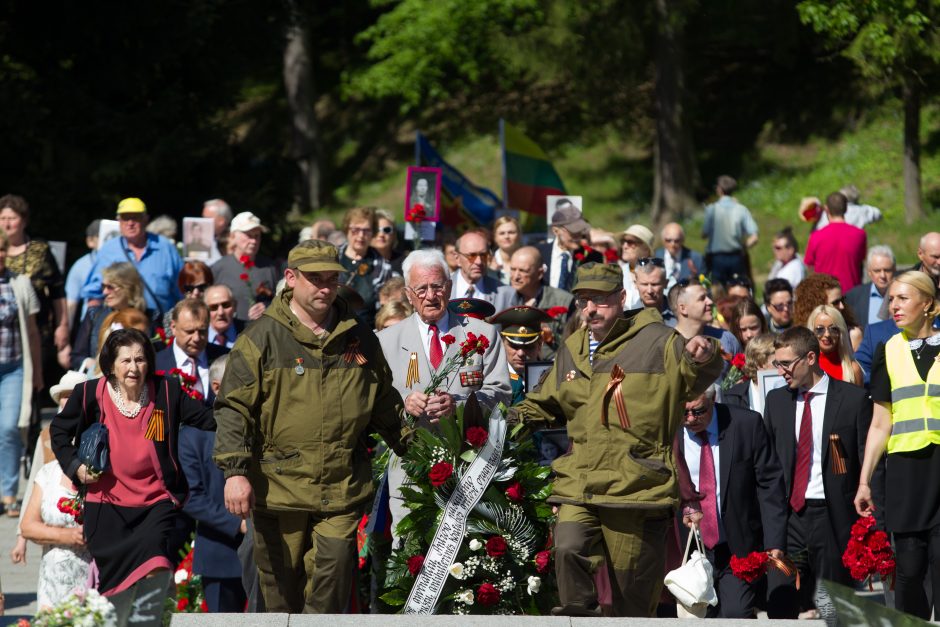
(621, 384)
(470, 280)
(292, 414)
(778, 304)
(414, 349)
(742, 511)
(818, 425)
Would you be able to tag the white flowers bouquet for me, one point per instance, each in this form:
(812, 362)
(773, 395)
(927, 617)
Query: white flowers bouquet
(79, 609)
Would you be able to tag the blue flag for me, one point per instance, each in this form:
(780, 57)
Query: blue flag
(462, 201)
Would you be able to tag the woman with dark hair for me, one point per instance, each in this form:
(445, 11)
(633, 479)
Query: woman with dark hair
(131, 509)
(747, 321)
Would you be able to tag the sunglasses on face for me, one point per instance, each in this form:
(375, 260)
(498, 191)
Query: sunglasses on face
(651, 261)
(109, 287)
(832, 329)
(782, 306)
(357, 231)
(202, 287)
(223, 305)
(387, 230)
(483, 257)
(600, 300)
(672, 240)
(696, 412)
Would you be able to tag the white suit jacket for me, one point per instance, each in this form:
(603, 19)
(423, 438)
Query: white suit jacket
(487, 374)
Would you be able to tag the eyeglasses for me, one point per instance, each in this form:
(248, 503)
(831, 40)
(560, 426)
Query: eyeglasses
(387, 230)
(601, 300)
(354, 230)
(110, 287)
(651, 261)
(672, 240)
(782, 306)
(483, 257)
(697, 412)
(833, 330)
(787, 365)
(223, 305)
(422, 290)
(202, 287)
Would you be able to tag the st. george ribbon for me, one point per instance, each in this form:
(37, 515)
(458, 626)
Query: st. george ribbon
(450, 533)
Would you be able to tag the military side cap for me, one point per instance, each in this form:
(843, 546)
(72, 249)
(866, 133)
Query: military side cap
(522, 325)
(314, 255)
(603, 277)
(131, 205)
(471, 307)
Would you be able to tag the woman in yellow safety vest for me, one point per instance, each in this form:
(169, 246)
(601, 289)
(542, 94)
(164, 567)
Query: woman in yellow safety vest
(905, 388)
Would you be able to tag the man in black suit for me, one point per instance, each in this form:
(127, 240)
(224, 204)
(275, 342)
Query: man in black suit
(470, 280)
(744, 503)
(819, 426)
(866, 299)
(190, 350)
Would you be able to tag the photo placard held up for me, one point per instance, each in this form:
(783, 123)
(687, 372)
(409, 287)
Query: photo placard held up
(554, 203)
(107, 230)
(198, 238)
(423, 188)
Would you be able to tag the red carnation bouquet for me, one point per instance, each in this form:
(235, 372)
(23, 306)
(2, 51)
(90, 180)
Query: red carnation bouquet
(735, 372)
(474, 344)
(74, 507)
(755, 565)
(869, 552)
(187, 382)
(416, 215)
(247, 264)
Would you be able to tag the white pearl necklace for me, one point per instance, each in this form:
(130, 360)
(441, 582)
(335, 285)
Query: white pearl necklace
(121, 404)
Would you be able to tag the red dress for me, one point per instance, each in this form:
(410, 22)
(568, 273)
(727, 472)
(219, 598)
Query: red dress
(830, 367)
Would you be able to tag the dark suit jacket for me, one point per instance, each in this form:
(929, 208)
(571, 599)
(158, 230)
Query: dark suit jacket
(848, 415)
(738, 395)
(166, 361)
(858, 298)
(753, 497)
(217, 531)
(686, 255)
(875, 334)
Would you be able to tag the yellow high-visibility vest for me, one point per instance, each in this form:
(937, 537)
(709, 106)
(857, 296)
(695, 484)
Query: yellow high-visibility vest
(915, 403)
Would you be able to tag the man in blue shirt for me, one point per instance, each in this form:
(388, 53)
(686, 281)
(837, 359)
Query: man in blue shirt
(154, 256)
(730, 230)
(78, 274)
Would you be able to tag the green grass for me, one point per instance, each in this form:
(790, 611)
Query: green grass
(615, 178)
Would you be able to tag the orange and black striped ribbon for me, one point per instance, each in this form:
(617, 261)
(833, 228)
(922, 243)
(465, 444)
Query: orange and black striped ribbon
(353, 353)
(614, 389)
(155, 426)
(786, 566)
(411, 378)
(835, 453)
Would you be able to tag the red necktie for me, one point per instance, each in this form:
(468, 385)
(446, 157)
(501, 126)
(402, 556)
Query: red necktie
(220, 339)
(437, 355)
(804, 457)
(708, 487)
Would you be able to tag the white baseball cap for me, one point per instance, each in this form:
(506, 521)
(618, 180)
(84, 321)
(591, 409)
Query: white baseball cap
(246, 221)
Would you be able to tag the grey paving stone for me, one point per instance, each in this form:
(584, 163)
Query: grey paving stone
(230, 620)
(374, 620)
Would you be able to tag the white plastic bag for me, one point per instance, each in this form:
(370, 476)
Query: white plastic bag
(693, 583)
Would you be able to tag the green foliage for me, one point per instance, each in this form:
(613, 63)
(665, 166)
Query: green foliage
(420, 51)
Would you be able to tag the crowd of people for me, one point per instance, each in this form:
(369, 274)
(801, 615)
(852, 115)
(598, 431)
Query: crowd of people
(239, 393)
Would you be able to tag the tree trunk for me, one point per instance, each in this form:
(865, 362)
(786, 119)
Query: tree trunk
(913, 207)
(674, 171)
(301, 100)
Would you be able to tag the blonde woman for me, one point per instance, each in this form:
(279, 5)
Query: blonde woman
(508, 240)
(835, 347)
(904, 418)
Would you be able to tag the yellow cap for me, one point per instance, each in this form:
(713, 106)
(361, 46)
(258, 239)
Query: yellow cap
(131, 205)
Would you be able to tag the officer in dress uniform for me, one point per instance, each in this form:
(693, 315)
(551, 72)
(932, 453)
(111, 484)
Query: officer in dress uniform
(521, 330)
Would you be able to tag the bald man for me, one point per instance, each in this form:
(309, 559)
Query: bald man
(470, 278)
(526, 271)
(681, 262)
(928, 251)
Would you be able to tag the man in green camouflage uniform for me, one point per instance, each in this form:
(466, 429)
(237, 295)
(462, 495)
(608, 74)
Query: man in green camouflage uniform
(621, 383)
(303, 386)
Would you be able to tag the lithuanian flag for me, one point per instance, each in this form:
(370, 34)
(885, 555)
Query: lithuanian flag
(528, 177)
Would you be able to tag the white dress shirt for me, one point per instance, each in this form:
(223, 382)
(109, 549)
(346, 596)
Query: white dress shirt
(202, 366)
(815, 489)
(424, 330)
(693, 457)
(461, 285)
(555, 266)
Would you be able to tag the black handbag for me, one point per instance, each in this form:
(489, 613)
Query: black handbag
(93, 449)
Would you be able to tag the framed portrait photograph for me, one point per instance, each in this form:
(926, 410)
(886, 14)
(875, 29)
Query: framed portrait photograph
(768, 380)
(423, 187)
(554, 203)
(533, 373)
(198, 238)
(107, 230)
(550, 444)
